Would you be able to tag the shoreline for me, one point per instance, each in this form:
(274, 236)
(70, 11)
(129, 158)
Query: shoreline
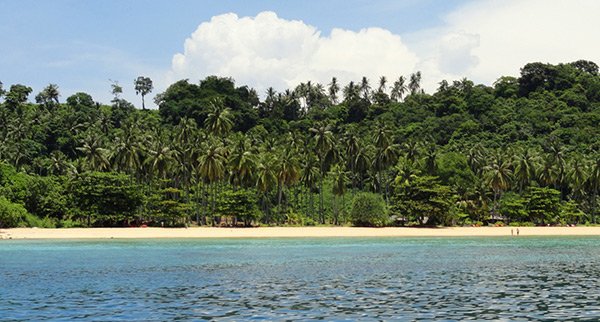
(288, 232)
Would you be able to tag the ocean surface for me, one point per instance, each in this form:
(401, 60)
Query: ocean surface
(332, 279)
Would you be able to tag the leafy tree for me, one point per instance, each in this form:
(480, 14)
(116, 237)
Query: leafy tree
(422, 199)
(543, 205)
(11, 214)
(143, 86)
(368, 209)
(168, 207)
(513, 207)
(17, 95)
(239, 205)
(106, 199)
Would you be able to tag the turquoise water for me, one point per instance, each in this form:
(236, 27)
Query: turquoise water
(302, 279)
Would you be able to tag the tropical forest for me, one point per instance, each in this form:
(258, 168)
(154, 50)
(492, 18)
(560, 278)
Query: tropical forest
(372, 152)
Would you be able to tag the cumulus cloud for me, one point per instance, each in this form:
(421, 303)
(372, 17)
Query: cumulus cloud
(266, 50)
(480, 40)
(494, 38)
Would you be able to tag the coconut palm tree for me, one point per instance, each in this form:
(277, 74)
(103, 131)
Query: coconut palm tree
(340, 180)
(266, 179)
(324, 148)
(95, 154)
(160, 158)
(334, 88)
(498, 177)
(351, 92)
(219, 120)
(288, 173)
(414, 85)
(577, 177)
(127, 150)
(211, 165)
(382, 84)
(593, 187)
(242, 163)
(58, 164)
(398, 89)
(525, 169)
(365, 88)
(308, 178)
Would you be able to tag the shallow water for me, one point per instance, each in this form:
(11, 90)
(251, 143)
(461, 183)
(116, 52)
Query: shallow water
(302, 279)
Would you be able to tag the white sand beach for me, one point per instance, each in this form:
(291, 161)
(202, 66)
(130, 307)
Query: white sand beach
(282, 232)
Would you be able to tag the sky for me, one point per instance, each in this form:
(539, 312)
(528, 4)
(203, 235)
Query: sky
(83, 46)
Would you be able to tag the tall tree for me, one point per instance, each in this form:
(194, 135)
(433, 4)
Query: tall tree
(324, 148)
(143, 86)
(414, 85)
(334, 88)
(219, 121)
(398, 89)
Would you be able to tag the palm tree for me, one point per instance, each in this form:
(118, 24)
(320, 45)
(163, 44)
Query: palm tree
(398, 89)
(48, 96)
(308, 178)
(160, 158)
(382, 84)
(351, 92)
(242, 163)
(266, 179)
(324, 148)
(186, 130)
(334, 88)
(219, 121)
(411, 149)
(212, 169)
(576, 177)
(365, 88)
(127, 151)
(556, 156)
(498, 174)
(94, 153)
(340, 179)
(414, 85)
(386, 154)
(288, 173)
(58, 164)
(352, 147)
(548, 175)
(525, 171)
(476, 159)
(593, 187)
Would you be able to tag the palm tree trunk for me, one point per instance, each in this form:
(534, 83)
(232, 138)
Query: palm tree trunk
(321, 205)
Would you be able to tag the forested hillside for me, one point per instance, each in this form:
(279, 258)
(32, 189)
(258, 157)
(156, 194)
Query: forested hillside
(372, 152)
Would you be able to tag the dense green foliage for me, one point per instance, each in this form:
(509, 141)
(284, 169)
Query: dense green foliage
(368, 209)
(523, 150)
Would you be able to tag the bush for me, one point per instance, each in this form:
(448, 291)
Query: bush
(11, 214)
(368, 209)
(521, 224)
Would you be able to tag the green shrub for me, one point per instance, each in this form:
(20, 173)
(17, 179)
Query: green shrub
(31, 220)
(521, 224)
(368, 209)
(11, 214)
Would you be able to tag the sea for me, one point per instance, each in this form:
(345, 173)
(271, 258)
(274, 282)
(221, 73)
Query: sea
(302, 279)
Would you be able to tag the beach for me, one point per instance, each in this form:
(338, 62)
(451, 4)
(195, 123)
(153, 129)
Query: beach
(283, 232)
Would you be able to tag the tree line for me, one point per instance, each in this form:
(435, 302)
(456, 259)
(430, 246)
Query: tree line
(522, 151)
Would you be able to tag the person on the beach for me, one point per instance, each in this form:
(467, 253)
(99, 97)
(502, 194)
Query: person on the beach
(517, 231)
(512, 233)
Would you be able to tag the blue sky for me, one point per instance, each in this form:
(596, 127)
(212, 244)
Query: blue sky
(80, 45)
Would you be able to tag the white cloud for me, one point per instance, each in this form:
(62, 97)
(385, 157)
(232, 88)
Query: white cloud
(503, 36)
(481, 40)
(268, 51)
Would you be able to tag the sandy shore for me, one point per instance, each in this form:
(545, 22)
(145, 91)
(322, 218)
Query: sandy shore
(265, 232)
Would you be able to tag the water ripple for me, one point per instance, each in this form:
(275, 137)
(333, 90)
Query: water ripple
(302, 279)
